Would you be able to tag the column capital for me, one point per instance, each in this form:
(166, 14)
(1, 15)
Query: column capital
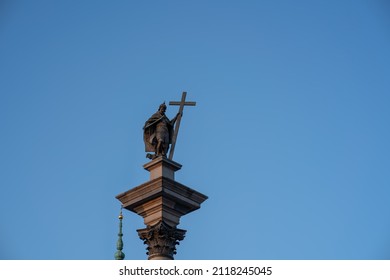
(161, 240)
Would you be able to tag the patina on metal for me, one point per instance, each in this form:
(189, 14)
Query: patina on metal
(160, 132)
(119, 255)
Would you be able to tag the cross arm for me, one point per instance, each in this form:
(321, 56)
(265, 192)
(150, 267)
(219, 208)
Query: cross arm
(188, 103)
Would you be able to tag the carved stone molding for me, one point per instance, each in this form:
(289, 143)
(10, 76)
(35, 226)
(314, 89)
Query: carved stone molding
(161, 240)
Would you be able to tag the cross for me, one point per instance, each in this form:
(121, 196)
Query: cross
(182, 103)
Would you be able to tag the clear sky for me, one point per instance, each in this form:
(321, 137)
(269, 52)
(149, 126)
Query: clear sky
(289, 139)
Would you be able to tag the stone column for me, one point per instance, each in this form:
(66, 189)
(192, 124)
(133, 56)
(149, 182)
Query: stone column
(161, 201)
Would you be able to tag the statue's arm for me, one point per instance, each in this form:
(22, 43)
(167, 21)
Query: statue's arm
(175, 118)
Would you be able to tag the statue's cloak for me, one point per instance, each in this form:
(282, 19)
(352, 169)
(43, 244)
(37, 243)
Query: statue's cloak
(150, 138)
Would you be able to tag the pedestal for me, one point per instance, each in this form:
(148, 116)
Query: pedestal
(161, 202)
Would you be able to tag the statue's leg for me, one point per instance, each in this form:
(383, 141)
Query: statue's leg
(163, 150)
(159, 148)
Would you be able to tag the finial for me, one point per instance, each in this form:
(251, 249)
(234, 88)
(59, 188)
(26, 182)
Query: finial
(119, 255)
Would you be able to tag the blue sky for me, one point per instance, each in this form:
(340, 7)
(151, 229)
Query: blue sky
(289, 138)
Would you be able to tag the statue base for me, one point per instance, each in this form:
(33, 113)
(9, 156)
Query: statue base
(161, 202)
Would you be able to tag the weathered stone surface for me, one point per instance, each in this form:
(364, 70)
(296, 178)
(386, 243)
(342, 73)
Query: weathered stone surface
(162, 167)
(161, 201)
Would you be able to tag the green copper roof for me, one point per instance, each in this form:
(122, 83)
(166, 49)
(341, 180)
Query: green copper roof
(119, 255)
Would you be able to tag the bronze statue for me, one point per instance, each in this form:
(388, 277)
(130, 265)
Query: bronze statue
(158, 133)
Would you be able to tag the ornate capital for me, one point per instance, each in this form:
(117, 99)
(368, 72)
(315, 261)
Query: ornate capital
(161, 240)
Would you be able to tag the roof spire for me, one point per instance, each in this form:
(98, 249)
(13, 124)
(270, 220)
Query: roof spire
(119, 255)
